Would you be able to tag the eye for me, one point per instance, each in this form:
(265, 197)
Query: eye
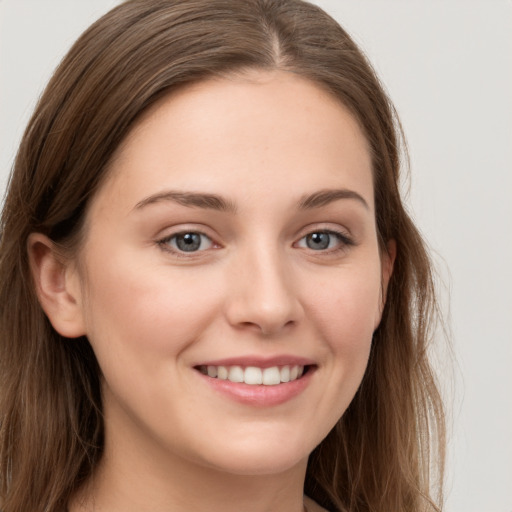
(324, 240)
(189, 241)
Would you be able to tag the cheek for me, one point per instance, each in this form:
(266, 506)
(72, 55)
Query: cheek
(342, 310)
(145, 310)
(347, 308)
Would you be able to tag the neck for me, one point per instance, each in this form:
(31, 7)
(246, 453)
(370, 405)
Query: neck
(186, 492)
(140, 477)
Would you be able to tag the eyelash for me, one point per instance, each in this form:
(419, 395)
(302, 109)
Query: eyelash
(165, 243)
(344, 242)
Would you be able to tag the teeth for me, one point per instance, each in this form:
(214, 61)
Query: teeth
(253, 375)
(271, 376)
(222, 373)
(236, 374)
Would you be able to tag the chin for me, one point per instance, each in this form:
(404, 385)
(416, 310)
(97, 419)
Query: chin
(261, 465)
(263, 456)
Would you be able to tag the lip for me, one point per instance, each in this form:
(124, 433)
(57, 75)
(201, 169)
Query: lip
(259, 361)
(259, 395)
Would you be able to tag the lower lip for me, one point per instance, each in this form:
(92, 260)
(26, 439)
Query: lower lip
(260, 395)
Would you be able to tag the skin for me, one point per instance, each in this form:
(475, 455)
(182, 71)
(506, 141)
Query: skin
(262, 142)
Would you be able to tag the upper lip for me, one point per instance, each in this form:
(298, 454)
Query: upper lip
(259, 361)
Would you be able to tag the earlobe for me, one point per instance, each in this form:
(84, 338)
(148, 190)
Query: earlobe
(57, 286)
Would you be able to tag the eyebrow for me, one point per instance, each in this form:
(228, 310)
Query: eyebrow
(216, 202)
(324, 197)
(191, 199)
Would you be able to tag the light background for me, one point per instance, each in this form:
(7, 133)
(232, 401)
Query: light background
(447, 65)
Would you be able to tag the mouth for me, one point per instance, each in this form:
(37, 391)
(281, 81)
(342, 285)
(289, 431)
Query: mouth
(257, 381)
(254, 375)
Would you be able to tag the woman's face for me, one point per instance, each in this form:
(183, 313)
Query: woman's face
(234, 240)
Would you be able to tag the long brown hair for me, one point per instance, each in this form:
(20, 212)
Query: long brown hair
(385, 450)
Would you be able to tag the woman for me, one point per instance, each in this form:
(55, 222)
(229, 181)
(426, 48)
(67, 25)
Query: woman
(212, 296)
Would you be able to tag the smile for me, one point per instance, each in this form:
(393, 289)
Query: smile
(258, 381)
(254, 375)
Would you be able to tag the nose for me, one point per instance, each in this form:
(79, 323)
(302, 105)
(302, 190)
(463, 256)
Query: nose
(263, 294)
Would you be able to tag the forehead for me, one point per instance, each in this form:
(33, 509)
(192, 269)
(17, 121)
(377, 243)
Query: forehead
(274, 128)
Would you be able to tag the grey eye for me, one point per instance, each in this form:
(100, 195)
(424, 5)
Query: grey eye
(190, 242)
(323, 240)
(319, 241)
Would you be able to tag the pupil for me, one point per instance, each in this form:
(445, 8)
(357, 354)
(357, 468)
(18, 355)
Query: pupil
(188, 242)
(318, 240)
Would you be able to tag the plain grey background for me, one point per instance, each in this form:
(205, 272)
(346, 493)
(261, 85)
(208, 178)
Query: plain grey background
(447, 65)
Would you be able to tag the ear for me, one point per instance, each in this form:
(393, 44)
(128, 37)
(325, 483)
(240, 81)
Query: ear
(57, 285)
(387, 263)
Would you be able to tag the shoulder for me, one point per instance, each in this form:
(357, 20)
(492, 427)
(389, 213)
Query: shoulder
(313, 506)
